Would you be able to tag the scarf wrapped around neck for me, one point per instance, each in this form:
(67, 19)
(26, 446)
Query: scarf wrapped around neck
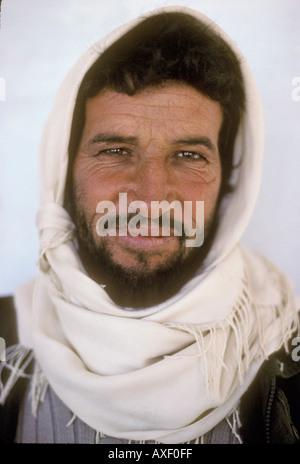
(171, 372)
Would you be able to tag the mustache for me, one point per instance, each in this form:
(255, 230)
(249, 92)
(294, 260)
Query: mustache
(164, 224)
(165, 221)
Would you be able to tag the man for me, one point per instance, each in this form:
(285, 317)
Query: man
(148, 322)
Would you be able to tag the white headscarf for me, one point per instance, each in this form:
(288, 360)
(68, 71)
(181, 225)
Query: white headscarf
(171, 372)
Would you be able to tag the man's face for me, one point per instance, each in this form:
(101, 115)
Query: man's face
(160, 144)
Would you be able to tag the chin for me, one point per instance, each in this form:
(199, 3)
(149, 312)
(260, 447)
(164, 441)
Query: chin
(145, 280)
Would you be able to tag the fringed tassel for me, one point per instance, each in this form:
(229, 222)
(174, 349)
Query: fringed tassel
(288, 316)
(17, 361)
(212, 340)
(98, 437)
(248, 322)
(239, 322)
(233, 420)
(285, 311)
(289, 319)
(39, 387)
(71, 421)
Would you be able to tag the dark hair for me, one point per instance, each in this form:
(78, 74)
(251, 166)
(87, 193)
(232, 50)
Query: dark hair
(170, 47)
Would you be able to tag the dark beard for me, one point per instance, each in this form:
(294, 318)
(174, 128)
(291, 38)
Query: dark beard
(133, 288)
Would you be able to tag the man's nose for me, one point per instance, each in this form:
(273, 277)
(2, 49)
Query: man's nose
(153, 182)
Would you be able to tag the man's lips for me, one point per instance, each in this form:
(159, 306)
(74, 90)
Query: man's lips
(151, 236)
(150, 243)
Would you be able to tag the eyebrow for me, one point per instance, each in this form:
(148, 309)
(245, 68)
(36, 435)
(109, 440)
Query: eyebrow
(197, 141)
(112, 138)
(115, 138)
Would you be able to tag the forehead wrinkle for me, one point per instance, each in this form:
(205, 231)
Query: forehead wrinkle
(152, 118)
(146, 109)
(138, 115)
(141, 104)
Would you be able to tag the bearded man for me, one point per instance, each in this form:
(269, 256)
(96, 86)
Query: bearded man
(129, 335)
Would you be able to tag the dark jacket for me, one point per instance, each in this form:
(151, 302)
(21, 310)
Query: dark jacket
(269, 410)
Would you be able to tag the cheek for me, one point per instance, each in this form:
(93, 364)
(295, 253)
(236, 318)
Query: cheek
(93, 185)
(202, 191)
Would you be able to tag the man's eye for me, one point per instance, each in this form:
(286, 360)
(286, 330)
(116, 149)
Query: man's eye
(113, 152)
(190, 155)
(116, 151)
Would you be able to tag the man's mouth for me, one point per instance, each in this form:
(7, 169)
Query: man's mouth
(149, 242)
(164, 220)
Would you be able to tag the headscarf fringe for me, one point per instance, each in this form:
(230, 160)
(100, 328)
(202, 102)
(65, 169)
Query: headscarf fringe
(289, 320)
(72, 420)
(207, 336)
(233, 420)
(18, 358)
(39, 387)
(238, 321)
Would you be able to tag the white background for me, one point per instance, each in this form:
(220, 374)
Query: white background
(40, 41)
